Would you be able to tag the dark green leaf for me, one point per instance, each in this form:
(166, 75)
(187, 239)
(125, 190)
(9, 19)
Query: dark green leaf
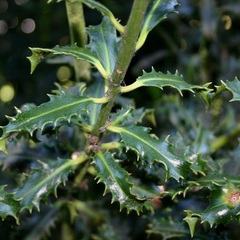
(154, 150)
(44, 180)
(234, 88)
(167, 228)
(116, 181)
(157, 11)
(104, 43)
(40, 54)
(104, 10)
(8, 206)
(224, 206)
(160, 80)
(60, 108)
(40, 224)
(216, 179)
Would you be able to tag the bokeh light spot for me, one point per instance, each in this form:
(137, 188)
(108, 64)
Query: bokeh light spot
(64, 73)
(228, 22)
(7, 93)
(28, 25)
(21, 2)
(3, 27)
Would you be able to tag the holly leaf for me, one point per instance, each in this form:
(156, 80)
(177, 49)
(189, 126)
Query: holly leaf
(116, 181)
(61, 107)
(234, 88)
(8, 206)
(160, 80)
(153, 150)
(167, 229)
(44, 180)
(224, 206)
(216, 179)
(104, 43)
(40, 54)
(157, 11)
(104, 10)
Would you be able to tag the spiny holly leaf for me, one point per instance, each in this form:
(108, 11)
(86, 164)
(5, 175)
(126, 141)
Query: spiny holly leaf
(157, 11)
(216, 179)
(104, 10)
(116, 181)
(167, 228)
(8, 206)
(234, 88)
(40, 225)
(43, 181)
(160, 80)
(60, 108)
(40, 54)
(224, 206)
(104, 43)
(153, 150)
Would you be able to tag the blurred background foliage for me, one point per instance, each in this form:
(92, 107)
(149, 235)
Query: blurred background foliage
(201, 42)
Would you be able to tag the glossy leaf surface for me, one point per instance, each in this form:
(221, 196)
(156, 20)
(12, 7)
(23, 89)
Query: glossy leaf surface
(234, 88)
(104, 10)
(60, 108)
(224, 206)
(116, 181)
(43, 181)
(153, 150)
(40, 54)
(160, 80)
(104, 43)
(157, 11)
(8, 206)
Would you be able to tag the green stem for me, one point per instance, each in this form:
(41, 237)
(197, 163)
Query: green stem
(78, 36)
(126, 52)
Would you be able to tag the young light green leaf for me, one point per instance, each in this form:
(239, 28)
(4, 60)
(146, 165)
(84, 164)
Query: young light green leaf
(157, 12)
(191, 221)
(234, 88)
(45, 180)
(39, 54)
(60, 108)
(105, 11)
(8, 206)
(104, 43)
(160, 80)
(153, 150)
(116, 181)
